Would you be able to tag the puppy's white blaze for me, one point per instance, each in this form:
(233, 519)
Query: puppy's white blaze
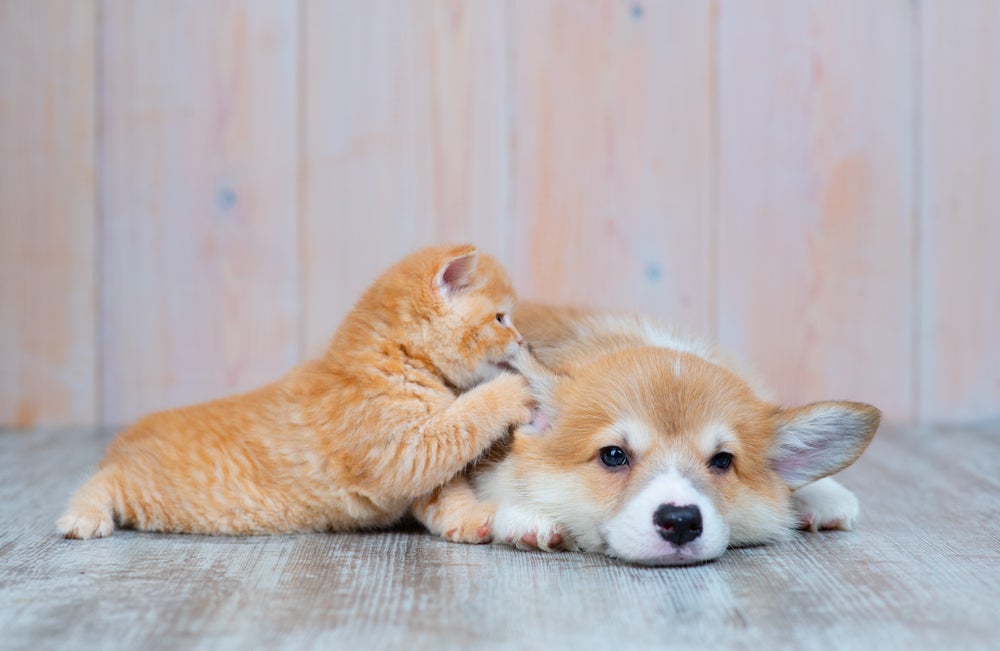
(632, 536)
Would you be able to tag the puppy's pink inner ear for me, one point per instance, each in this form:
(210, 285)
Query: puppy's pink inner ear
(541, 421)
(820, 439)
(457, 274)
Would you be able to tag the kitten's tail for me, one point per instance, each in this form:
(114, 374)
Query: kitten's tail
(90, 511)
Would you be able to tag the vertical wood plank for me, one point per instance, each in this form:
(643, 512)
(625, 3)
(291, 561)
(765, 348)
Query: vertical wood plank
(47, 285)
(613, 118)
(405, 141)
(199, 189)
(960, 209)
(816, 208)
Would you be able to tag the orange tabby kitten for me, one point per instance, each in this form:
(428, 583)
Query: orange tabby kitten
(410, 391)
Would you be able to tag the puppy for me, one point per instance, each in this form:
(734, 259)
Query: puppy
(656, 450)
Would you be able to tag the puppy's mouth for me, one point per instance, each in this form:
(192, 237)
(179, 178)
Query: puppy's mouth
(679, 558)
(675, 558)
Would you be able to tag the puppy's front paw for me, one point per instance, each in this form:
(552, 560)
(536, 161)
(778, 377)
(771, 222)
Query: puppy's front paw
(825, 505)
(515, 526)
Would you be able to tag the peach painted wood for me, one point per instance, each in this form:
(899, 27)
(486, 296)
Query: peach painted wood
(199, 165)
(193, 194)
(960, 211)
(612, 141)
(816, 127)
(405, 141)
(47, 279)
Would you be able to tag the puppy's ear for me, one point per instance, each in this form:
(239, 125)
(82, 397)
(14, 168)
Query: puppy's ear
(456, 273)
(543, 383)
(820, 439)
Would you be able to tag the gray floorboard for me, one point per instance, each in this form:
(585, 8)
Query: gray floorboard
(922, 571)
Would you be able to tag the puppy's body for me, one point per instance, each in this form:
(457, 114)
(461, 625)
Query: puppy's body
(655, 450)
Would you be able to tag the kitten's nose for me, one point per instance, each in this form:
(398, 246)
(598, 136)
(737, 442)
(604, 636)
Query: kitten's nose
(678, 524)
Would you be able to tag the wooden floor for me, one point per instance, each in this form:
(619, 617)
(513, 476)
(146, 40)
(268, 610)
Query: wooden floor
(921, 572)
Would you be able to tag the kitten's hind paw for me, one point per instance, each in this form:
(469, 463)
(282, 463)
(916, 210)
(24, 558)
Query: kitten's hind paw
(83, 525)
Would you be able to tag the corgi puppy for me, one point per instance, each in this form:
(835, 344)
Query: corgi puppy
(654, 449)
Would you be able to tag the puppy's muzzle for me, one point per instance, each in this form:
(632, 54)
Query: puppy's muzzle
(678, 524)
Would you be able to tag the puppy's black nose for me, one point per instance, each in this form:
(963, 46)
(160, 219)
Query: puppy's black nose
(678, 524)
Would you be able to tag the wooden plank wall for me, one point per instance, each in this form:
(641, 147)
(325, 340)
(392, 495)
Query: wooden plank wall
(816, 197)
(199, 213)
(959, 320)
(405, 141)
(192, 195)
(612, 116)
(48, 352)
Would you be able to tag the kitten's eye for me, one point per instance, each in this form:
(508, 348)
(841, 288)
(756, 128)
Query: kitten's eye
(500, 318)
(721, 461)
(613, 456)
(503, 319)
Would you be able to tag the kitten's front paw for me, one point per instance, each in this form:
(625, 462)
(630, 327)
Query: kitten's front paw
(83, 525)
(825, 505)
(454, 514)
(469, 527)
(510, 397)
(470, 532)
(514, 526)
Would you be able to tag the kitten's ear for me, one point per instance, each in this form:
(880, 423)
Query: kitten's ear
(456, 274)
(820, 439)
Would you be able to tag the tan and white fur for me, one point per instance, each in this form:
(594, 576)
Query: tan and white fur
(412, 388)
(654, 449)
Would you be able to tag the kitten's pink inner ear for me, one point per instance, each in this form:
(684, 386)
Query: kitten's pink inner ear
(457, 274)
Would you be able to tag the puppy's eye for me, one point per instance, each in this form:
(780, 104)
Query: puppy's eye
(721, 461)
(613, 456)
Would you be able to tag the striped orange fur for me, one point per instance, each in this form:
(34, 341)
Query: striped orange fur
(410, 391)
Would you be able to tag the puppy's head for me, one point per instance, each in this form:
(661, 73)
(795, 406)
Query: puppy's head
(659, 457)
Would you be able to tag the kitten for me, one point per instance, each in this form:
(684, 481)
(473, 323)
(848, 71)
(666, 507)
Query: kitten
(410, 391)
